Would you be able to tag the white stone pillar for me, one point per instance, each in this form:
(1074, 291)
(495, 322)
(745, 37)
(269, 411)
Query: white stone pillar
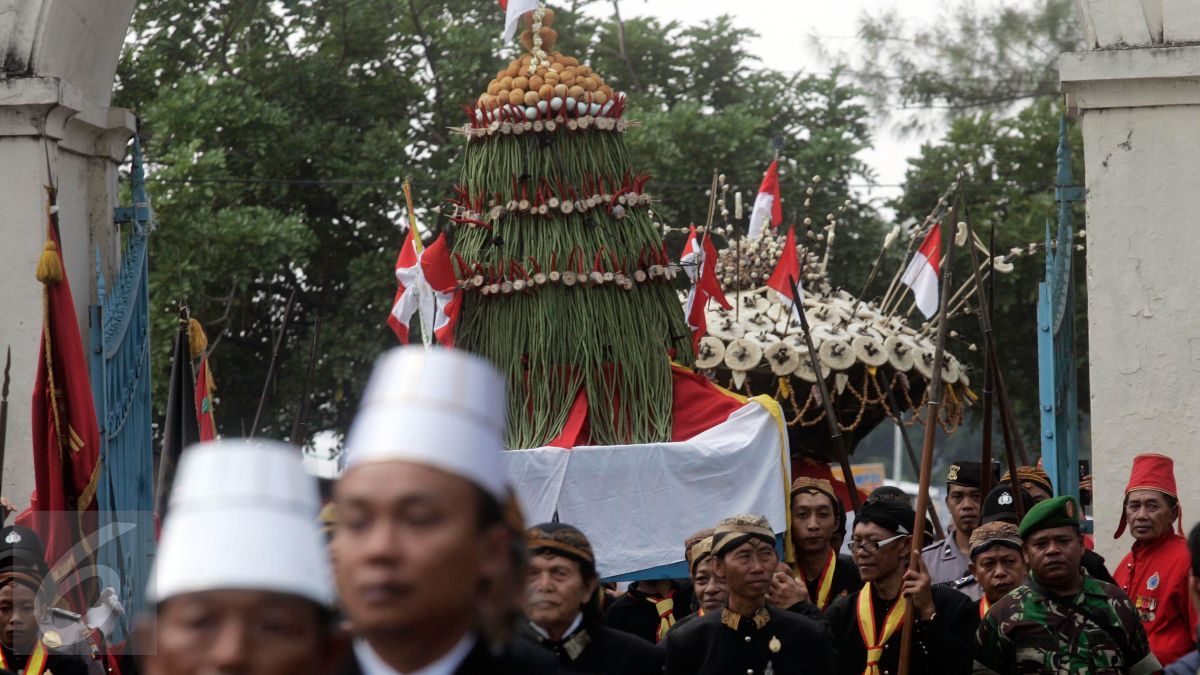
(1140, 115)
(46, 126)
(58, 59)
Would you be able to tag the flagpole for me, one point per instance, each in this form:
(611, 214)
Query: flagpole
(412, 216)
(835, 428)
(931, 424)
(4, 414)
(712, 206)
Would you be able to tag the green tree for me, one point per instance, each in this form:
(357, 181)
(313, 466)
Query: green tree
(971, 59)
(1011, 188)
(279, 134)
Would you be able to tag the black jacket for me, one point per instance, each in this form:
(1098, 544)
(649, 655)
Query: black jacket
(634, 613)
(518, 658)
(791, 643)
(594, 649)
(943, 646)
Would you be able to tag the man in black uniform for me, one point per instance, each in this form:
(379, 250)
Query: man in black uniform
(563, 608)
(648, 609)
(868, 624)
(748, 636)
(826, 575)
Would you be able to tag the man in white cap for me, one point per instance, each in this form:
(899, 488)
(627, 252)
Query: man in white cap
(241, 580)
(420, 539)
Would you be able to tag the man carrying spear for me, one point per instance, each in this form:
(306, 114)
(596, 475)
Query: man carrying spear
(868, 624)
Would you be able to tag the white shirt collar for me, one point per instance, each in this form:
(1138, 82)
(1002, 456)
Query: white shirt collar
(574, 625)
(372, 664)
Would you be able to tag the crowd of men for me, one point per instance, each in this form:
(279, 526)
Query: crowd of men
(423, 566)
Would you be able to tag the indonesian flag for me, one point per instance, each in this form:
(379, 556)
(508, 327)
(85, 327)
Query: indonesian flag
(425, 284)
(786, 271)
(768, 204)
(513, 10)
(704, 289)
(690, 258)
(66, 435)
(922, 273)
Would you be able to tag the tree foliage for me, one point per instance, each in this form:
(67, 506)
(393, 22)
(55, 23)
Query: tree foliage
(279, 133)
(972, 59)
(1011, 188)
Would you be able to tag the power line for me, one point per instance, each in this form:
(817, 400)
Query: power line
(398, 185)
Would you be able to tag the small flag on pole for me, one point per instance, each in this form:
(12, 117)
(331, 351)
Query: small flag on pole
(768, 206)
(706, 288)
(922, 273)
(786, 270)
(425, 284)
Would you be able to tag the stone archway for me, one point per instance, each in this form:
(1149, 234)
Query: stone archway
(58, 59)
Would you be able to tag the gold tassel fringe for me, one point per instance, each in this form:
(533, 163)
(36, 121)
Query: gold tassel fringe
(197, 340)
(49, 268)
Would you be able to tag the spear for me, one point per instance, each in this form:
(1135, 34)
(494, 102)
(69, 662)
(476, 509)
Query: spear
(894, 410)
(871, 275)
(4, 410)
(931, 416)
(835, 428)
(262, 400)
(988, 394)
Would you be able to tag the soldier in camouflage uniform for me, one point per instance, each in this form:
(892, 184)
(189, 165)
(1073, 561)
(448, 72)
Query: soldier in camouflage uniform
(1062, 621)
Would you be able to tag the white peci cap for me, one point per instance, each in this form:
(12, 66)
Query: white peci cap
(440, 407)
(243, 515)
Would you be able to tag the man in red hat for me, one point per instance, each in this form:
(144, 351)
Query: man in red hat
(1155, 573)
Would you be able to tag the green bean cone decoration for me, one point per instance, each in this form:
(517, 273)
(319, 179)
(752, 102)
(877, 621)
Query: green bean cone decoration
(567, 286)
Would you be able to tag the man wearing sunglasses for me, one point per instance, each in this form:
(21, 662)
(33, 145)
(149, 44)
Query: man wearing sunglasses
(869, 623)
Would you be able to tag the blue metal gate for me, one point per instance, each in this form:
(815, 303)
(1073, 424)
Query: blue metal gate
(120, 370)
(1058, 387)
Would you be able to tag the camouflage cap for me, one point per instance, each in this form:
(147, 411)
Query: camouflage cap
(993, 534)
(1057, 512)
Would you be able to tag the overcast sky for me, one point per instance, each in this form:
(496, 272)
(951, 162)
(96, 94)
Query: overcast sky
(785, 28)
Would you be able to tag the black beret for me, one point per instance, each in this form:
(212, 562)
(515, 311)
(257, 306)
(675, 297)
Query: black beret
(970, 473)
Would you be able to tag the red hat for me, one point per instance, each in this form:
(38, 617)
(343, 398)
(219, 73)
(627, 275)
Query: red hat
(1151, 472)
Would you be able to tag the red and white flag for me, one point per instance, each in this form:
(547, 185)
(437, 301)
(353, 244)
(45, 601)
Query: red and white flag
(426, 285)
(769, 204)
(513, 10)
(922, 273)
(787, 270)
(705, 288)
(689, 260)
